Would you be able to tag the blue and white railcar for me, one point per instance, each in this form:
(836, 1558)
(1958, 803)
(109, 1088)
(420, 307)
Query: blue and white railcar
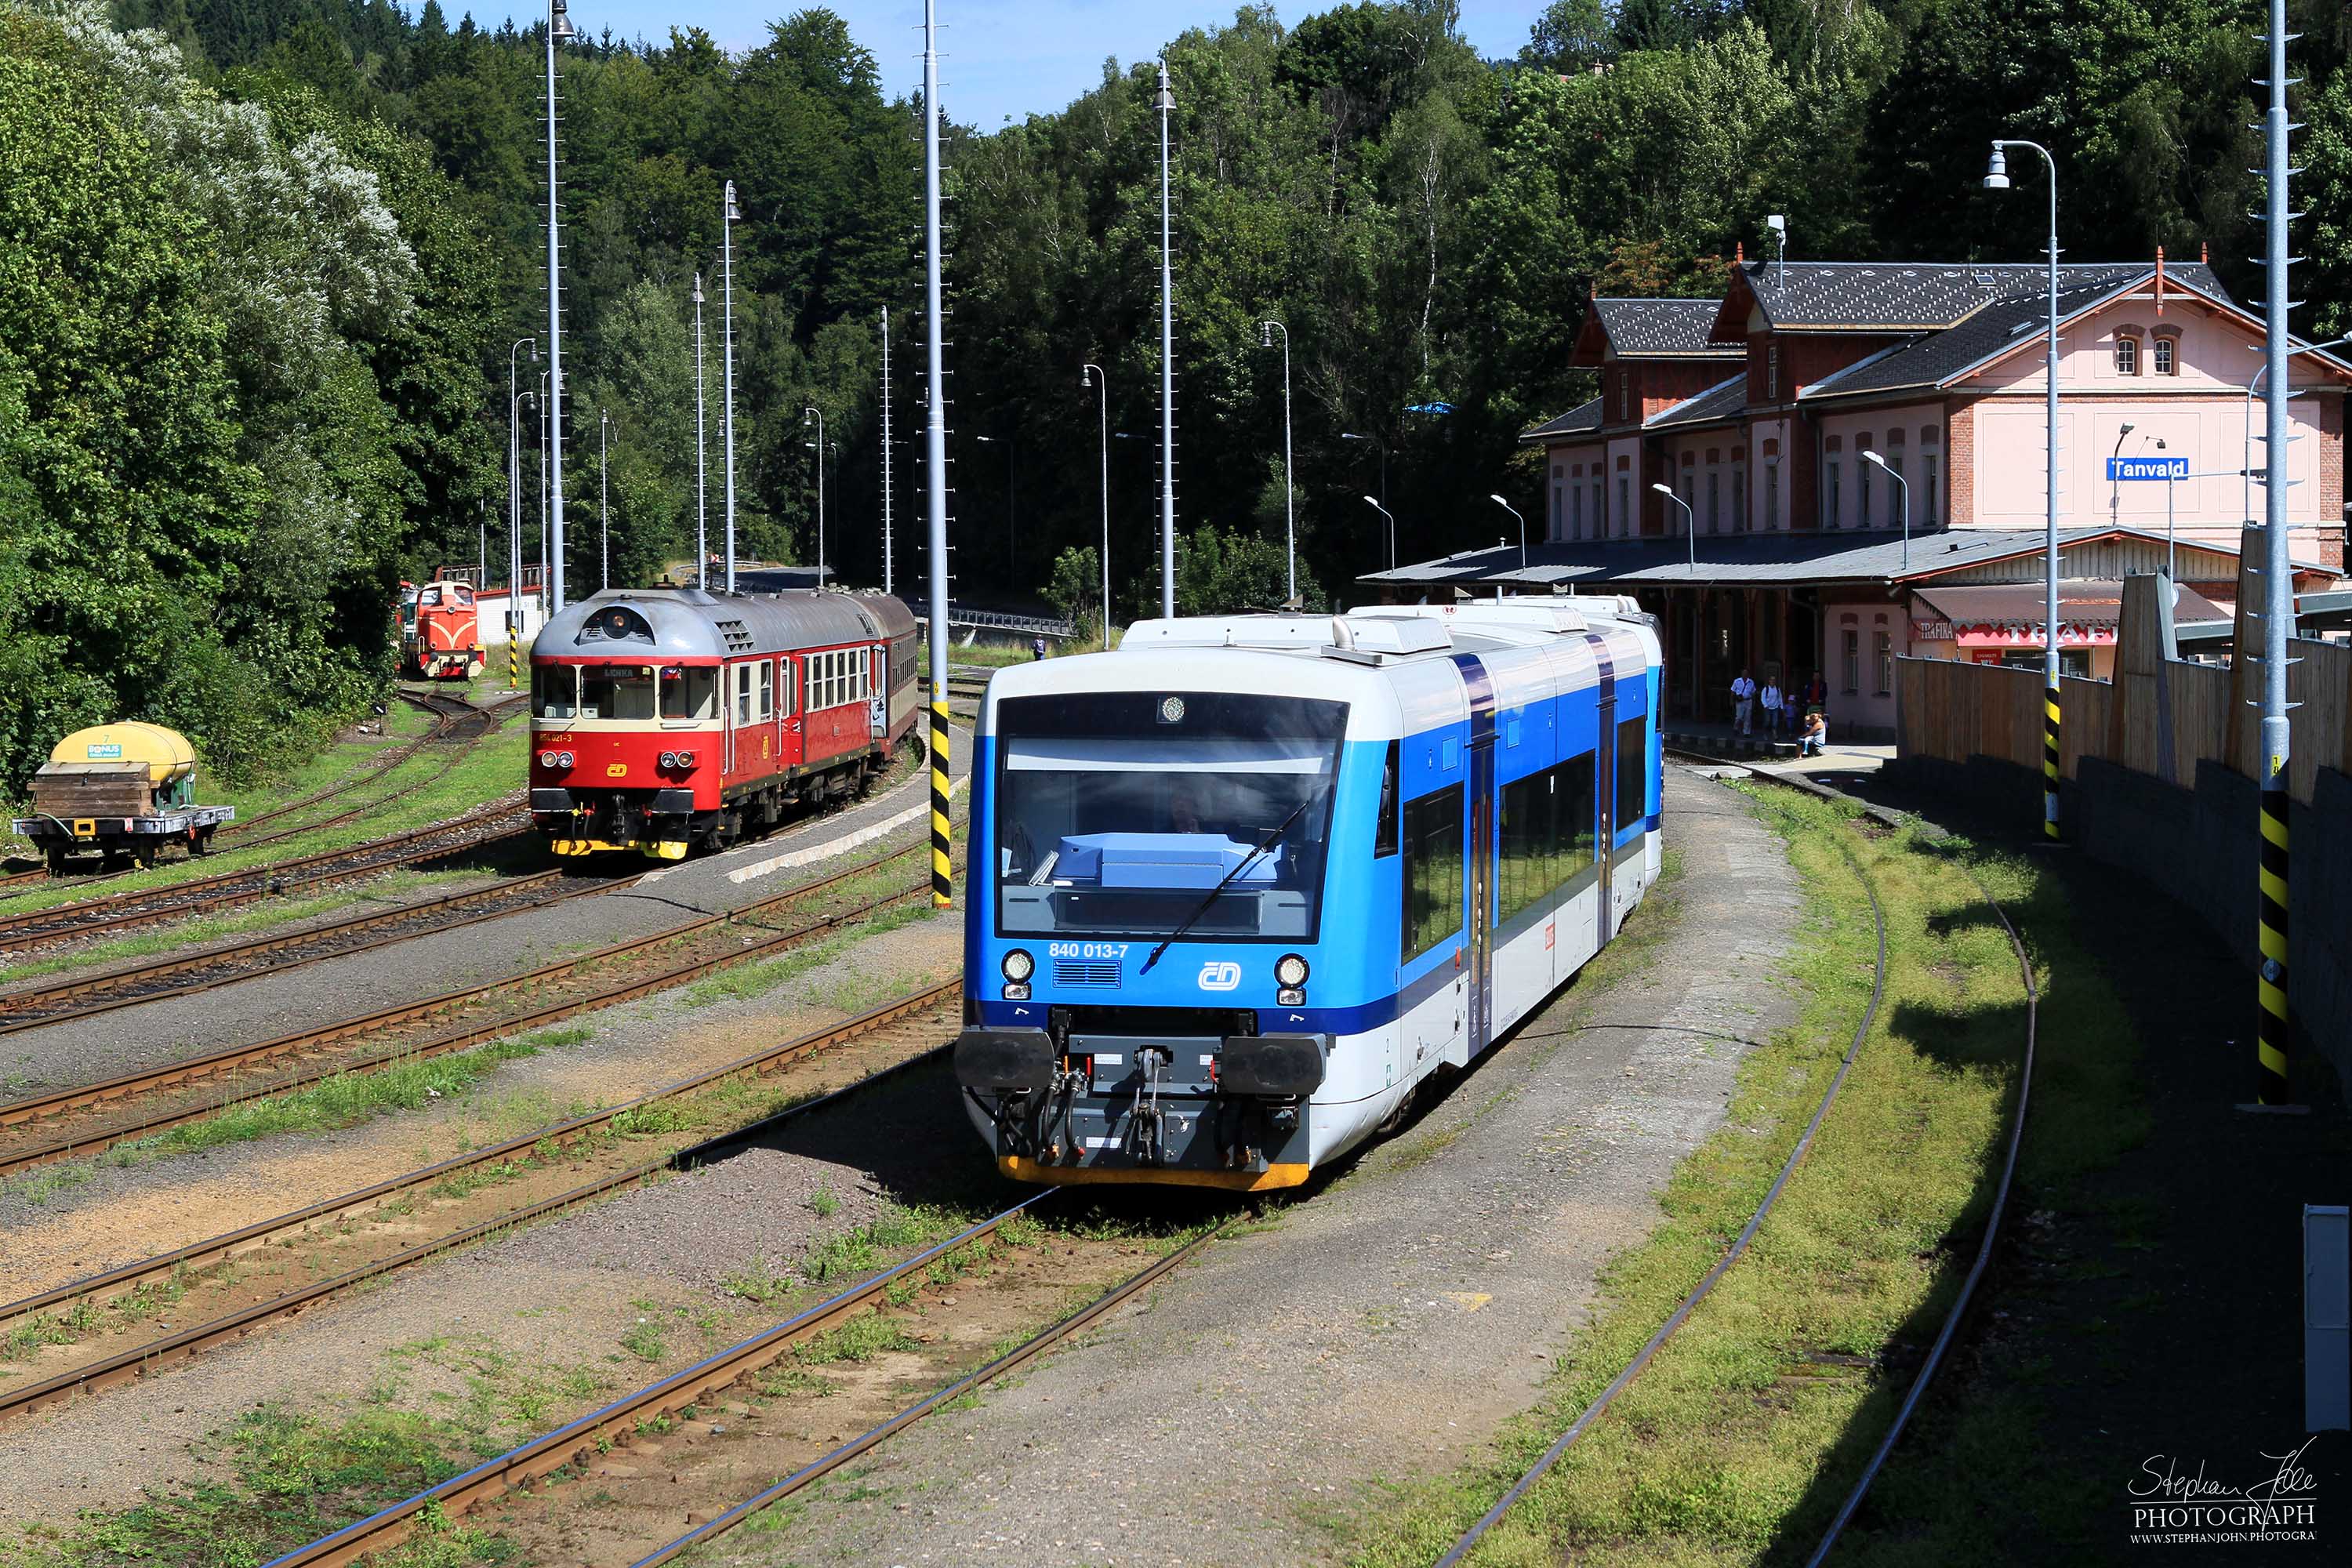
(1240, 887)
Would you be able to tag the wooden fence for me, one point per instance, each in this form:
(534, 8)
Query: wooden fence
(2160, 716)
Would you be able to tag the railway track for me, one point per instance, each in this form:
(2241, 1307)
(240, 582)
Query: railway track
(205, 895)
(1642, 1359)
(187, 973)
(578, 1442)
(923, 1015)
(633, 965)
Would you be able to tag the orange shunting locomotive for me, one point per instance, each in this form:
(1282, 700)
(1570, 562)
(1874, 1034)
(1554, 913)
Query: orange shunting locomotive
(444, 640)
(665, 719)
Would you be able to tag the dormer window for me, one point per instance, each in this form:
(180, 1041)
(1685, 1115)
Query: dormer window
(2126, 354)
(1772, 373)
(2166, 353)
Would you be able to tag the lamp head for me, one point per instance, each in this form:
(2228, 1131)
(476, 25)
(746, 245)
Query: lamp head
(1664, 490)
(734, 212)
(1778, 223)
(559, 21)
(2160, 443)
(1266, 334)
(1870, 455)
(1376, 505)
(2128, 429)
(1997, 170)
(698, 288)
(1498, 500)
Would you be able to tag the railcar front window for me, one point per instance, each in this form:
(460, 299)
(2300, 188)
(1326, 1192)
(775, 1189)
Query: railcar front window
(1116, 813)
(689, 691)
(617, 691)
(555, 691)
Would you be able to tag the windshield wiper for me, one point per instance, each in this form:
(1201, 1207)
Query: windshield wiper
(1246, 862)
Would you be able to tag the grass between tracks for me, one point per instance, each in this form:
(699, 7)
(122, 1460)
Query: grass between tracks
(1752, 1422)
(278, 1476)
(392, 887)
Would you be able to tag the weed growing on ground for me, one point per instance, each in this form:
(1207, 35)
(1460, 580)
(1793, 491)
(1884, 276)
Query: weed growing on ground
(746, 982)
(647, 1340)
(1747, 1428)
(862, 1338)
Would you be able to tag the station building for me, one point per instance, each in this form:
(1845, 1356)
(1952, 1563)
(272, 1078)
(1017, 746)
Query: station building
(1782, 550)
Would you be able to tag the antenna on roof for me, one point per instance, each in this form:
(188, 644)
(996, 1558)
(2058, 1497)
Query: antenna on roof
(1778, 223)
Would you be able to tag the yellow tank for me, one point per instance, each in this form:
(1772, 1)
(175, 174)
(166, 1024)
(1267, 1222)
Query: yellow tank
(166, 752)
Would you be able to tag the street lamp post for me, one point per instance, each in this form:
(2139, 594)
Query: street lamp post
(558, 28)
(1690, 520)
(1166, 104)
(1385, 512)
(1902, 487)
(729, 216)
(1383, 446)
(808, 414)
(514, 521)
(514, 472)
(1690, 530)
(1506, 506)
(1266, 330)
(1091, 375)
(603, 503)
(1997, 179)
(701, 487)
(546, 607)
(1012, 514)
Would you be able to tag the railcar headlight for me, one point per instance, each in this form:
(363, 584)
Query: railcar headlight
(563, 760)
(1018, 965)
(547, 759)
(1015, 991)
(686, 758)
(1290, 996)
(1291, 970)
(670, 759)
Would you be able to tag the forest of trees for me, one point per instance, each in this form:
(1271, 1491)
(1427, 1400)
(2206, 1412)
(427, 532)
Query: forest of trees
(262, 263)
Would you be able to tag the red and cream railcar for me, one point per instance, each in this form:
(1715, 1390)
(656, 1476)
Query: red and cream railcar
(446, 643)
(665, 718)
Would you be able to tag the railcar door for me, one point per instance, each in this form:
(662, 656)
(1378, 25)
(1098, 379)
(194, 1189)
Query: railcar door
(788, 708)
(1605, 776)
(1482, 890)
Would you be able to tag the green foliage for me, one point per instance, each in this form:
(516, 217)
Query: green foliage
(1076, 588)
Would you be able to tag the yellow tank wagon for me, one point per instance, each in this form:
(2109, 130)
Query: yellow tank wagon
(123, 791)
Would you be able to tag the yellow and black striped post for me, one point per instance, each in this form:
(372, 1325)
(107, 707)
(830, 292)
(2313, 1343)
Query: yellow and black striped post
(514, 654)
(942, 883)
(2271, 1026)
(2050, 759)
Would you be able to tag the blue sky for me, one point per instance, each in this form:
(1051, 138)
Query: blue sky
(999, 58)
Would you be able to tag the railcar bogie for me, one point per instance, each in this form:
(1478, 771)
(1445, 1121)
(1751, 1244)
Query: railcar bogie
(667, 719)
(1240, 888)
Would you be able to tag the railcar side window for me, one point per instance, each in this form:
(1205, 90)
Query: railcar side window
(767, 708)
(785, 694)
(1632, 774)
(1433, 869)
(1528, 850)
(1384, 837)
(555, 691)
(742, 694)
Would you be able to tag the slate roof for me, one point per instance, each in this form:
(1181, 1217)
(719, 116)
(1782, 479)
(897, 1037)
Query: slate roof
(2017, 315)
(1898, 297)
(1750, 559)
(1576, 421)
(1664, 329)
(1724, 400)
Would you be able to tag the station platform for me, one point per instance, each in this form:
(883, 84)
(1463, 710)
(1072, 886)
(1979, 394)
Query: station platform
(1724, 744)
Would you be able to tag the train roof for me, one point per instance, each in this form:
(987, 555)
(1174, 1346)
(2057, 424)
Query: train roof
(694, 623)
(1395, 665)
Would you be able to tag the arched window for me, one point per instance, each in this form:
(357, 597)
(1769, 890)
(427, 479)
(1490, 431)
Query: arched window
(2167, 363)
(2126, 354)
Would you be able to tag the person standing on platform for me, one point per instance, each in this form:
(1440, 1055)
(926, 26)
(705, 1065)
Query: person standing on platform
(1743, 702)
(1771, 702)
